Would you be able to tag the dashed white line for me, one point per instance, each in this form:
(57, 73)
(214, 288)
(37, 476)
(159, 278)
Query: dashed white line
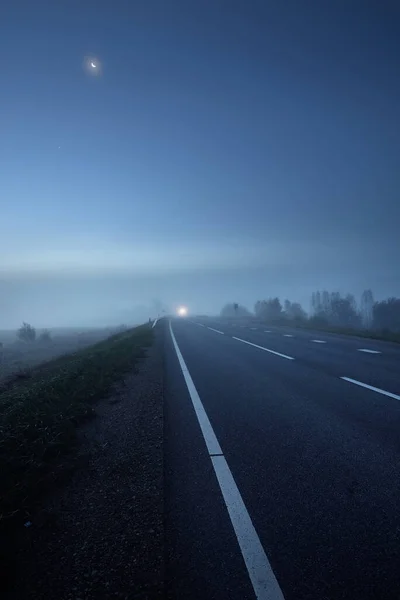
(262, 348)
(154, 324)
(267, 331)
(288, 335)
(371, 387)
(319, 341)
(262, 577)
(216, 330)
(254, 328)
(368, 351)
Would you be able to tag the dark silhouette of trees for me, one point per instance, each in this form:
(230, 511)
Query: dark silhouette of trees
(234, 309)
(269, 310)
(366, 308)
(294, 311)
(26, 333)
(329, 309)
(386, 315)
(45, 336)
(333, 309)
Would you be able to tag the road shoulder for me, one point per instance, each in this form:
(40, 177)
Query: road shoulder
(101, 535)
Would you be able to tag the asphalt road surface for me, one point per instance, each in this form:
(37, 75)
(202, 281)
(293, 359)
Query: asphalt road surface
(282, 463)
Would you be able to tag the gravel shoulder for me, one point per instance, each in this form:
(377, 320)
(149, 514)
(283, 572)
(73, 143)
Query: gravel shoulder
(101, 535)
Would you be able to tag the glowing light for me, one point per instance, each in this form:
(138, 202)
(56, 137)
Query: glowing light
(92, 65)
(182, 311)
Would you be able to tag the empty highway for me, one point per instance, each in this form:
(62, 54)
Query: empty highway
(282, 467)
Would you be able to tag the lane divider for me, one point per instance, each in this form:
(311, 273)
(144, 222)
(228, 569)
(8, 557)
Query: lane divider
(288, 335)
(262, 577)
(262, 348)
(371, 387)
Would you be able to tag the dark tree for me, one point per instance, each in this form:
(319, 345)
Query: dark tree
(26, 333)
(366, 308)
(386, 314)
(45, 336)
(230, 311)
(269, 310)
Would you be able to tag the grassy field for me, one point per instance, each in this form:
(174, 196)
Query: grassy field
(17, 356)
(40, 409)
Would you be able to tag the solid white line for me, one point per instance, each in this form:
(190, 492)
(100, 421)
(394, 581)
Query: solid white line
(262, 348)
(287, 335)
(319, 341)
(201, 324)
(369, 351)
(263, 580)
(265, 584)
(213, 446)
(371, 387)
(216, 330)
(154, 324)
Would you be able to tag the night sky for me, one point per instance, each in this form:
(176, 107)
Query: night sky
(217, 151)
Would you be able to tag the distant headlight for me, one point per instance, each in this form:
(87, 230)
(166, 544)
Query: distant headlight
(182, 311)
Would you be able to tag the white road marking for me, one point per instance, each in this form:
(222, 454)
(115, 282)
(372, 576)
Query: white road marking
(287, 335)
(216, 330)
(319, 341)
(263, 580)
(267, 331)
(371, 387)
(369, 351)
(154, 324)
(254, 328)
(262, 348)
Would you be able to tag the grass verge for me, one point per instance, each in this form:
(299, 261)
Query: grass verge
(40, 411)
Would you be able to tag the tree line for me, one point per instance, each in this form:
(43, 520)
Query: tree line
(328, 309)
(344, 311)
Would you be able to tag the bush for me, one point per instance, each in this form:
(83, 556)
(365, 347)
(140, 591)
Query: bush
(234, 310)
(26, 333)
(45, 336)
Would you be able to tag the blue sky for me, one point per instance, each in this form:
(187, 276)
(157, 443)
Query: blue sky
(227, 150)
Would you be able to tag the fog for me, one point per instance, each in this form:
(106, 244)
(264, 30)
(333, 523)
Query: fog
(106, 298)
(217, 156)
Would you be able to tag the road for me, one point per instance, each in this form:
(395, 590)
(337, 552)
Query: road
(282, 467)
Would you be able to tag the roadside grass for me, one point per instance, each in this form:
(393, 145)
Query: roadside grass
(41, 408)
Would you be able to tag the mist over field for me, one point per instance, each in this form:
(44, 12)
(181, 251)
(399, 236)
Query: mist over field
(110, 299)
